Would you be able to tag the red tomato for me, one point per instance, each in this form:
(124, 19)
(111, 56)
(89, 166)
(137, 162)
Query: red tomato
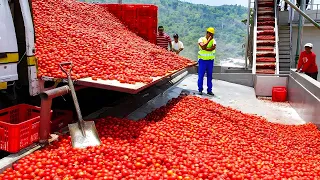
(93, 39)
(190, 138)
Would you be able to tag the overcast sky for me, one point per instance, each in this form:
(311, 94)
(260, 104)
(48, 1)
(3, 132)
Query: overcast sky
(219, 2)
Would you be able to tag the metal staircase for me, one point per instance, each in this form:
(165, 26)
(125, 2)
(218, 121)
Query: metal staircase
(284, 49)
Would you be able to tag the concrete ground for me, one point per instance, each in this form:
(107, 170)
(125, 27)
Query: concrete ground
(228, 94)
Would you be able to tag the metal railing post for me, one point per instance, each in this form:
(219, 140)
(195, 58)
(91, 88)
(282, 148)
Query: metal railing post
(248, 34)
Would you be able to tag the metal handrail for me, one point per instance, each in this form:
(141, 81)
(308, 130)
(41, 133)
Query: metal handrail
(254, 54)
(277, 36)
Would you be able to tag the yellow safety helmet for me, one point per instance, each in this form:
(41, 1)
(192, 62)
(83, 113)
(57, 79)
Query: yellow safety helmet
(210, 30)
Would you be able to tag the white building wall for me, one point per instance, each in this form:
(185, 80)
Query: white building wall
(310, 35)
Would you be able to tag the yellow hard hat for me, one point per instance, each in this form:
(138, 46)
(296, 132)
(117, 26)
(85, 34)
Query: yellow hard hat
(210, 30)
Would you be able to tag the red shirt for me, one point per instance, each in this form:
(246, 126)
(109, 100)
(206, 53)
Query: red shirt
(163, 40)
(307, 62)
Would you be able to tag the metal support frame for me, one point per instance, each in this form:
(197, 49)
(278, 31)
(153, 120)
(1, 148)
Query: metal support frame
(46, 102)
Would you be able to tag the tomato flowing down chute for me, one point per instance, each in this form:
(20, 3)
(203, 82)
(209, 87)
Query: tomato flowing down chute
(97, 43)
(190, 138)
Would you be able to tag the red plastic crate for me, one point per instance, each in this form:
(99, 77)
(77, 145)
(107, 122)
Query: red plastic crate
(112, 7)
(19, 127)
(147, 23)
(118, 14)
(130, 11)
(279, 94)
(60, 119)
(147, 11)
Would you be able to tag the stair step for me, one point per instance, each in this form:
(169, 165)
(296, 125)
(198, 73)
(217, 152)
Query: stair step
(284, 52)
(265, 71)
(284, 60)
(267, 54)
(266, 16)
(284, 32)
(266, 66)
(266, 23)
(284, 28)
(266, 49)
(265, 8)
(284, 69)
(265, 13)
(261, 19)
(284, 56)
(266, 43)
(261, 28)
(266, 37)
(266, 32)
(284, 65)
(284, 35)
(284, 72)
(266, 59)
(284, 43)
(284, 48)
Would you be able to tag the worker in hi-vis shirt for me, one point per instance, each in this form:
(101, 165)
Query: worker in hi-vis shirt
(206, 56)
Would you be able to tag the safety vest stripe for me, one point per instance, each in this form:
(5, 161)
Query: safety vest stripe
(211, 54)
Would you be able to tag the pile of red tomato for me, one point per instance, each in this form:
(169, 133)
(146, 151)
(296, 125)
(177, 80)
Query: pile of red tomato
(97, 43)
(190, 138)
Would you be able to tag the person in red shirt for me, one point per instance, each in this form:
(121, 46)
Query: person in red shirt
(307, 62)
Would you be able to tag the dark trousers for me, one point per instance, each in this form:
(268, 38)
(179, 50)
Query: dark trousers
(313, 75)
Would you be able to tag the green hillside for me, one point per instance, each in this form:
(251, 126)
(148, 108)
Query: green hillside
(190, 22)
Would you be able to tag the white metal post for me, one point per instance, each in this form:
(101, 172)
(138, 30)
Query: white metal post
(248, 34)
